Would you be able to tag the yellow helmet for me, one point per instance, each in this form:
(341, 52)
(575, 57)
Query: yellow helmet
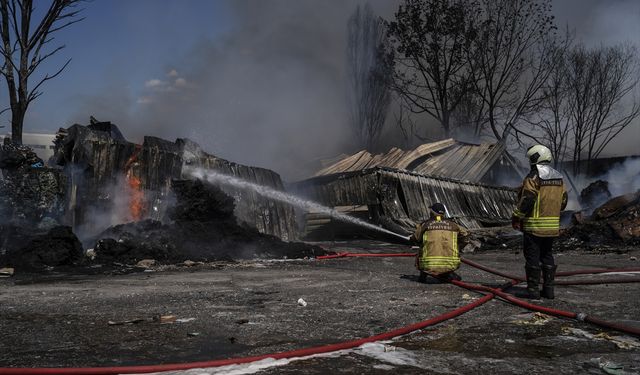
(539, 154)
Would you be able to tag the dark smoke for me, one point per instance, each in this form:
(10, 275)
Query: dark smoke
(271, 93)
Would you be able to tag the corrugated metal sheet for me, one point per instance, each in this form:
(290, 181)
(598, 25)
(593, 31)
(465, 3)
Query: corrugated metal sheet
(95, 161)
(404, 197)
(447, 158)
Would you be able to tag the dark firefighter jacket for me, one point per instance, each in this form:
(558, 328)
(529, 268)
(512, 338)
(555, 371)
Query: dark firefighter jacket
(540, 200)
(439, 245)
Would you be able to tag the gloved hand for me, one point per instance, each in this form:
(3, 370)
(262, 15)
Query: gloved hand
(516, 223)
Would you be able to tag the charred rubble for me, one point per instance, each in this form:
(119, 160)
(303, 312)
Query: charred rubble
(97, 179)
(616, 222)
(594, 195)
(29, 191)
(103, 168)
(32, 199)
(203, 227)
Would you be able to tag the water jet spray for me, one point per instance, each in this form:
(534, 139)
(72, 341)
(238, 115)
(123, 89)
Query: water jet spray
(219, 178)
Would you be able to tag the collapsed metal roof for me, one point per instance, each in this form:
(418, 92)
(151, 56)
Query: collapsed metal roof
(400, 199)
(448, 158)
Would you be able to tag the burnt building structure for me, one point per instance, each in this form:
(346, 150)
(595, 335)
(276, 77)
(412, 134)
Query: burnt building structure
(118, 180)
(395, 189)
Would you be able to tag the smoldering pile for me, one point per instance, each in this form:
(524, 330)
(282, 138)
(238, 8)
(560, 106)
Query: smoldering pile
(98, 179)
(203, 227)
(615, 222)
(31, 209)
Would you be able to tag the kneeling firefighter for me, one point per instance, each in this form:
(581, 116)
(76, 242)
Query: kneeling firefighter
(438, 239)
(537, 214)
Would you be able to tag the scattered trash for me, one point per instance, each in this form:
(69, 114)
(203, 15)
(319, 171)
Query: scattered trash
(90, 253)
(162, 319)
(146, 263)
(242, 321)
(302, 302)
(185, 320)
(467, 296)
(389, 348)
(6, 272)
(165, 319)
(123, 322)
(190, 263)
(622, 342)
(536, 319)
(510, 341)
(609, 367)
(193, 334)
(471, 246)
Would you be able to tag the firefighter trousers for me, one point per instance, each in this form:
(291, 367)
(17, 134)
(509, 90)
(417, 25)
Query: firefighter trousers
(538, 250)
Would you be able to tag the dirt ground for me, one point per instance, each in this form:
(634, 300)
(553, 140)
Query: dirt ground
(227, 310)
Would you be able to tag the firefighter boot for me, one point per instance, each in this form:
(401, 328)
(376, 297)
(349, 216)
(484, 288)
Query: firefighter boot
(423, 277)
(533, 283)
(548, 277)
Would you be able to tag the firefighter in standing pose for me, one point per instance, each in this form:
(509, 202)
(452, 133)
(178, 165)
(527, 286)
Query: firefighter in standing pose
(537, 214)
(438, 237)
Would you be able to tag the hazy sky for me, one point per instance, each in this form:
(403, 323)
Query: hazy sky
(258, 82)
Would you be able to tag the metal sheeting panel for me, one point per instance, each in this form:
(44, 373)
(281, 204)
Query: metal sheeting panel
(470, 204)
(351, 190)
(267, 215)
(95, 161)
(447, 158)
(405, 197)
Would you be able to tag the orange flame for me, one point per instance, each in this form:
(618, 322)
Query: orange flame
(136, 199)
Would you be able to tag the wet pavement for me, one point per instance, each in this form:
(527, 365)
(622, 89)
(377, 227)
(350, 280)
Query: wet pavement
(251, 308)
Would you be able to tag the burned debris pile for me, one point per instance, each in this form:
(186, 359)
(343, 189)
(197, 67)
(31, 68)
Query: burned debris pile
(29, 192)
(108, 174)
(129, 201)
(615, 222)
(594, 195)
(32, 200)
(203, 228)
(27, 248)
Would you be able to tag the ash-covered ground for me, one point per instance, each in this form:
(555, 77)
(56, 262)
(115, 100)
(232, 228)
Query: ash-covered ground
(232, 309)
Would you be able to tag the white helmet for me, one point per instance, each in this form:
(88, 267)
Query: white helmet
(539, 154)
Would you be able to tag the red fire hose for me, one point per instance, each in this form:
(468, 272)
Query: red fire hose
(527, 305)
(492, 292)
(234, 361)
(619, 280)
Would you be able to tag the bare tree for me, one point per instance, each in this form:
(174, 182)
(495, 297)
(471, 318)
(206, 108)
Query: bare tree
(601, 83)
(25, 43)
(512, 58)
(470, 115)
(428, 43)
(552, 119)
(409, 126)
(369, 94)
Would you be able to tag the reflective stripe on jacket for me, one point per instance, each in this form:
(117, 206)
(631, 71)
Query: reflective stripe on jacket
(439, 251)
(541, 199)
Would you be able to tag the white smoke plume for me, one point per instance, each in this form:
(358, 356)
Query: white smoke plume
(270, 93)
